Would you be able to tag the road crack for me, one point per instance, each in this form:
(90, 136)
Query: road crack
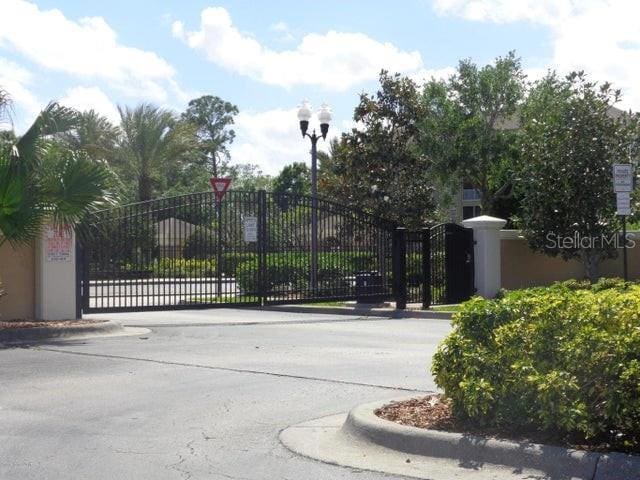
(233, 370)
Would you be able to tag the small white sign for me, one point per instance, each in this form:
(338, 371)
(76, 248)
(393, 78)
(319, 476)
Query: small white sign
(250, 229)
(58, 243)
(622, 177)
(623, 203)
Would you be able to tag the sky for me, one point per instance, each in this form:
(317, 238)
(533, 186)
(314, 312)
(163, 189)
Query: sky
(266, 56)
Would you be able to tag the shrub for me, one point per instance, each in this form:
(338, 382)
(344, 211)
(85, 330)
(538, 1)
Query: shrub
(200, 245)
(564, 359)
(289, 272)
(231, 261)
(183, 268)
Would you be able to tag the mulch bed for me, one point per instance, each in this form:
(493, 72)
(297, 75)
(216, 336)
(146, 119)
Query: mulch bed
(14, 324)
(434, 412)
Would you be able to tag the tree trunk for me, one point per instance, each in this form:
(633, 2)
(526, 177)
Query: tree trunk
(591, 262)
(144, 188)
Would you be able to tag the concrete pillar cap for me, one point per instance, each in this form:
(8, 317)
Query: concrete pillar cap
(485, 222)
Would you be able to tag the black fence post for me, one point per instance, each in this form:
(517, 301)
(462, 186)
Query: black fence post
(79, 278)
(426, 267)
(262, 247)
(400, 267)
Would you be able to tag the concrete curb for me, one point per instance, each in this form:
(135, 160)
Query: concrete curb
(469, 449)
(361, 312)
(21, 335)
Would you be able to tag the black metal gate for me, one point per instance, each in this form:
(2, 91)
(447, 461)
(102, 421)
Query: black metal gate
(439, 265)
(256, 248)
(252, 248)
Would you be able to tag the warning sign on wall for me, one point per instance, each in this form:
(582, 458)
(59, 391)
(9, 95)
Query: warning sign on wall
(58, 243)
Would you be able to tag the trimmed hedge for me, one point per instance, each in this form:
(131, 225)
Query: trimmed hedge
(563, 359)
(285, 268)
(290, 271)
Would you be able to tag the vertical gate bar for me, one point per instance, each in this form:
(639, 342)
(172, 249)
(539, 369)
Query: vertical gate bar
(262, 240)
(426, 267)
(219, 252)
(79, 268)
(400, 267)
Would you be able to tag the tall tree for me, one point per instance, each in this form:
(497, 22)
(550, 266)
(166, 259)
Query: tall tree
(94, 134)
(213, 117)
(570, 141)
(469, 127)
(5, 106)
(153, 146)
(248, 177)
(293, 179)
(378, 166)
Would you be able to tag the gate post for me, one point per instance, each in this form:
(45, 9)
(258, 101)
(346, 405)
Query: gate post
(399, 244)
(426, 267)
(55, 264)
(486, 251)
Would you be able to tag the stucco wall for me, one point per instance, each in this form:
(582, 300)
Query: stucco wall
(523, 268)
(17, 269)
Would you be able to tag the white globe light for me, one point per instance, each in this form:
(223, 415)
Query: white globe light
(324, 115)
(304, 112)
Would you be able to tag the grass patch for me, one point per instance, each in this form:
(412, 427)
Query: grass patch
(446, 308)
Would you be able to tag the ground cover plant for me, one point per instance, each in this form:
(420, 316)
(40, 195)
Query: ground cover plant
(563, 359)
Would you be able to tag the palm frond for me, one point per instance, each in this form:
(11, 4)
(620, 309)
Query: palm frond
(74, 186)
(52, 120)
(21, 213)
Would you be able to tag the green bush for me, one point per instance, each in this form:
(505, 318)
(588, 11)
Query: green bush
(200, 245)
(231, 261)
(563, 359)
(289, 272)
(183, 268)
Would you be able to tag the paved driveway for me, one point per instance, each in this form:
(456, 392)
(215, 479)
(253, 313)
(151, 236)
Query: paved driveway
(204, 395)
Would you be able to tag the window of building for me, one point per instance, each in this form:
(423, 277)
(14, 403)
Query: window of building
(471, 211)
(470, 193)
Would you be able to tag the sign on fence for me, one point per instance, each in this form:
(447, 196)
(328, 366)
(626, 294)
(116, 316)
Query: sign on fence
(250, 229)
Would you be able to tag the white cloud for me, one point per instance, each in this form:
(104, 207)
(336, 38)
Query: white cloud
(17, 80)
(91, 98)
(88, 48)
(272, 139)
(283, 31)
(424, 75)
(601, 37)
(334, 60)
(504, 11)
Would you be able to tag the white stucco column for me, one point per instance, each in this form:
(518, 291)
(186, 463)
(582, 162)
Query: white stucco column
(486, 250)
(55, 274)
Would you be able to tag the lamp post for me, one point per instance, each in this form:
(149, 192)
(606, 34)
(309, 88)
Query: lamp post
(324, 117)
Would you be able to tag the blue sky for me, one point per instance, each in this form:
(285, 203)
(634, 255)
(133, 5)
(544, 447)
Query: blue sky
(266, 56)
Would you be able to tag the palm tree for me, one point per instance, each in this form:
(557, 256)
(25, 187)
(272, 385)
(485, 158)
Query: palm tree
(94, 134)
(152, 141)
(40, 180)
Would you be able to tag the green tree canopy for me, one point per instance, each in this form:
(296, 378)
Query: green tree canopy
(469, 127)
(378, 166)
(94, 134)
(212, 118)
(153, 148)
(293, 179)
(571, 137)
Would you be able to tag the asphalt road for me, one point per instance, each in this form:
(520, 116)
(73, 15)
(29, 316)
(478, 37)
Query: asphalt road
(194, 401)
